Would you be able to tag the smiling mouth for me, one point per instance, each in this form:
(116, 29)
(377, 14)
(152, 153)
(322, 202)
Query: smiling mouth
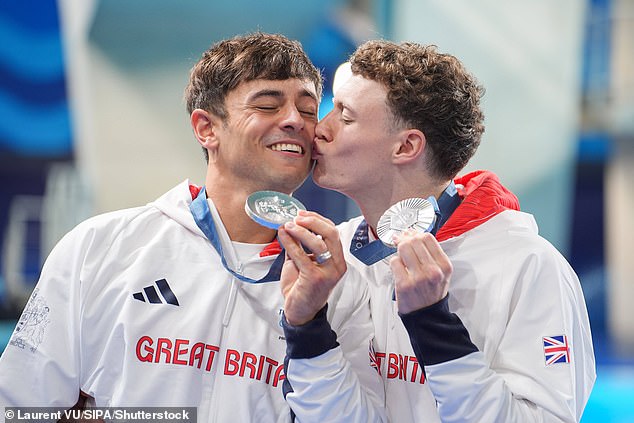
(289, 148)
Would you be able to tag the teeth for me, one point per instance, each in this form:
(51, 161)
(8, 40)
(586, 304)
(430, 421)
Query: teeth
(294, 148)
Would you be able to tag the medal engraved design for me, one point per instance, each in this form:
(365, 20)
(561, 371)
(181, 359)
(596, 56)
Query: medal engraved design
(416, 214)
(271, 208)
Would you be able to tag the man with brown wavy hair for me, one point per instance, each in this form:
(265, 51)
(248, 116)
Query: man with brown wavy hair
(177, 303)
(479, 319)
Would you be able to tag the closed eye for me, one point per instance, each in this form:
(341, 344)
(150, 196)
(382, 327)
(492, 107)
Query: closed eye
(266, 108)
(309, 113)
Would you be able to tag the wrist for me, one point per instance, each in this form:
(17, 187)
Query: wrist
(310, 339)
(301, 315)
(297, 320)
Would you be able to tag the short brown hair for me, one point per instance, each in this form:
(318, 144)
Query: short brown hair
(429, 91)
(228, 63)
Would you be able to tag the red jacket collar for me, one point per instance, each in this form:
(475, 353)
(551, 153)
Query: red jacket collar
(483, 196)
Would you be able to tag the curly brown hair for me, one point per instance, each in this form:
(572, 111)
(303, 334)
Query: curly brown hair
(429, 91)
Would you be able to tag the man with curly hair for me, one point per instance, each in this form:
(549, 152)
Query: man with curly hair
(480, 319)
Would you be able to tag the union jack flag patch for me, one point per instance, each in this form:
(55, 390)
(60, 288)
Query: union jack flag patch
(374, 362)
(556, 349)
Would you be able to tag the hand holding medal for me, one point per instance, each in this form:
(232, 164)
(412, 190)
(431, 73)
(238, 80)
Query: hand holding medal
(307, 279)
(420, 267)
(273, 209)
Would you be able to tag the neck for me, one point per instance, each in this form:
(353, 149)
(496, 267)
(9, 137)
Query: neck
(229, 202)
(373, 206)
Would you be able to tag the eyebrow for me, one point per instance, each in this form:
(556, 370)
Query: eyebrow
(306, 93)
(266, 93)
(279, 94)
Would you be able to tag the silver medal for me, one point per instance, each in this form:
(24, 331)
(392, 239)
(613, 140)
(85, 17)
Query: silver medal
(271, 208)
(416, 214)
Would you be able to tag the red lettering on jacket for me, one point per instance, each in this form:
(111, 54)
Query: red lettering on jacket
(258, 376)
(279, 375)
(231, 362)
(197, 355)
(248, 362)
(163, 345)
(145, 343)
(178, 351)
(415, 368)
(253, 366)
(392, 366)
(401, 367)
(185, 353)
(212, 351)
(271, 363)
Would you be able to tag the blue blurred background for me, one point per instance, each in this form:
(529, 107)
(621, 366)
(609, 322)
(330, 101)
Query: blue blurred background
(91, 102)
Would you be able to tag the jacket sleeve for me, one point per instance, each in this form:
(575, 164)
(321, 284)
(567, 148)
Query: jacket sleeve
(521, 381)
(41, 363)
(329, 375)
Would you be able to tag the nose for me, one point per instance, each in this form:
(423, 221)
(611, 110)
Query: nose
(292, 119)
(322, 130)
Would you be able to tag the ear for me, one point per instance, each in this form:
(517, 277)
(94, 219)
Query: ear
(205, 125)
(410, 147)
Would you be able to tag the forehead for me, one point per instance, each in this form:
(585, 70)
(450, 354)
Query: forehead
(362, 94)
(291, 88)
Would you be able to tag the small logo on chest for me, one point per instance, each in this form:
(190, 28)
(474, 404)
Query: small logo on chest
(157, 293)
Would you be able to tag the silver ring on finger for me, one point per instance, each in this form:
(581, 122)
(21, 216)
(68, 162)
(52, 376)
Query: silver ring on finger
(323, 257)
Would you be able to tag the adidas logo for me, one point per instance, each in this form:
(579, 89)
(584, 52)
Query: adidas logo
(151, 295)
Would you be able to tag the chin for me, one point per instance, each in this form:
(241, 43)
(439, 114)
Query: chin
(322, 181)
(319, 176)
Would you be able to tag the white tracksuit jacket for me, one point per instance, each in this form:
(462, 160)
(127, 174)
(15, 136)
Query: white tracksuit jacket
(134, 308)
(520, 348)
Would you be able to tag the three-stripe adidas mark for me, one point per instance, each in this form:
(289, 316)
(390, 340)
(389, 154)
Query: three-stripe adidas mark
(150, 294)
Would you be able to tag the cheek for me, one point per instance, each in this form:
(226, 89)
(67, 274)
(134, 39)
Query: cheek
(339, 162)
(356, 153)
(368, 161)
(310, 128)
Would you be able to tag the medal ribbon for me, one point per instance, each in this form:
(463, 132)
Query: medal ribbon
(372, 252)
(202, 215)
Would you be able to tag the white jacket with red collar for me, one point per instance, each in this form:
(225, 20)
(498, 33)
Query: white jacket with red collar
(520, 348)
